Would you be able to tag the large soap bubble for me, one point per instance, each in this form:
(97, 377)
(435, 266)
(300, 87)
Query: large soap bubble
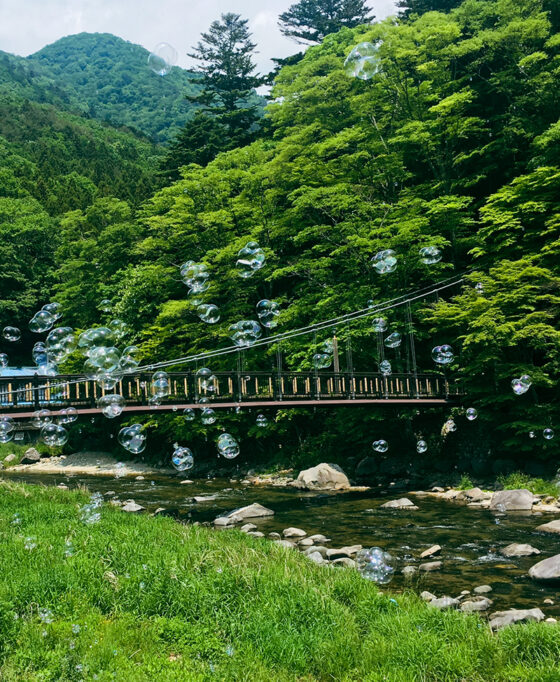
(228, 447)
(54, 309)
(182, 458)
(375, 565)
(208, 312)
(161, 386)
(92, 338)
(394, 340)
(60, 343)
(430, 255)
(379, 324)
(250, 259)
(384, 262)
(363, 62)
(11, 334)
(54, 435)
(245, 333)
(104, 358)
(111, 404)
(380, 445)
(133, 438)
(162, 58)
(208, 381)
(195, 276)
(267, 312)
(322, 360)
(41, 322)
(443, 355)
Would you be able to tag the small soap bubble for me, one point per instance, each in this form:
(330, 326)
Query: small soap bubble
(394, 340)
(182, 459)
(228, 447)
(208, 416)
(30, 543)
(189, 414)
(45, 615)
(471, 414)
(111, 405)
(362, 62)
(443, 355)
(450, 425)
(11, 334)
(380, 445)
(250, 259)
(261, 421)
(133, 438)
(322, 360)
(379, 324)
(421, 446)
(521, 385)
(209, 313)
(385, 367)
(54, 309)
(267, 312)
(430, 255)
(4, 360)
(479, 288)
(162, 58)
(195, 276)
(76, 628)
(384, 262)
(532, 434)
(106, 305)
(376, 565)
(548, 434)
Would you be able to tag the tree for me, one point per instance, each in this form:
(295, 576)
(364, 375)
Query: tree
(309, 21)
(418, 7)
(229, 108)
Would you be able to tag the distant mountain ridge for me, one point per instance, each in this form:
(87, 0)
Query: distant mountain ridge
(106, 78)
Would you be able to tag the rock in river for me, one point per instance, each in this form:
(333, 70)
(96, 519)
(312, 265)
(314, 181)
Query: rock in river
(434, 549)
(131, 506)
(550, 527)
(293, 533)
(512, 500)
(502, 619)
(402, 503)
(430, 566)
(476, 604)
(443, 603)
(322, 477)
(547, 570)
(252, 511)
(516, 549)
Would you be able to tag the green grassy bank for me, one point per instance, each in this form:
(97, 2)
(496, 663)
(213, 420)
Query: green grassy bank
(140, 598)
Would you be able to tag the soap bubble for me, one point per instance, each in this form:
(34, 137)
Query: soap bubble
(182, 458)
(54, 309)
(228, 447)
(195, 276)
(41, 322)
(479, 288)
(106, 305)
(45, 615)
(208, 382)
(532, 434)
(379, 324)
(267, 312)
(61, 341)
(54, 435)
(133, 438)
(370, 303)
(189, 414)
(162, 58)
(450, 425)
(129, 358)
(375, 565)
(250, 259)
(105, 358)
(421, 446)
(207, 416)
(6, 436)
(48, 369)
(11, 334)
(39, 353)
(327, 347)
(443, 355)
(380, 445)
(160, 385)
(548, 434)
(111, 404)
(6, 429)
(393, 340)
(384, 262)
(41, 417)
(4, 360)
(97, 336)
(385, 367)
(261, 421)
(471, 414)
(521, 385)
(209, 313)
(118, 327)
(362, 62)
(68, 415)
(322, 361)
(245, 333)
(430, 255)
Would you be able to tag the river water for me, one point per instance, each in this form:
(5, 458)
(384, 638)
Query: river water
(470, 538)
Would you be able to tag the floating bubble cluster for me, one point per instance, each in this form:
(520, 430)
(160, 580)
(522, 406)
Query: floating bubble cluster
(182, 458)
(430, 255)
(376, 565)
(41, 417)
(68, 415)
(160, 385)
(267, 312)
(228, 447)
(133, 438)
(89, 513)
(195, 276)
(363, 61)
(443, 355)
(380, 445)
(250, 259)
(521, 385)
(162, 58)
(207, 381)
(384, 262)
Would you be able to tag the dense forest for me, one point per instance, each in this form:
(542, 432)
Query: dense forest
(453, 143)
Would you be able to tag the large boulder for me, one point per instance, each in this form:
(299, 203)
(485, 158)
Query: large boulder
(550, 527)
(402, 503)
(476, 495)
(547, 570)
(519, 549)
(502, 619)
(251, 511)
(31, 456)
(322, 477)
(512, 500)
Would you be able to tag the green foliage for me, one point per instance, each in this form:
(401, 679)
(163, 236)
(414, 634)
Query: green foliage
(309, 21)
(415, 8)
(219, 605)
(538, 486)
(465, 483)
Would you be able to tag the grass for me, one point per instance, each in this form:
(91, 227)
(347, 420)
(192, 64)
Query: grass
(465, 483)
(19, 450)
(157, 600)
(538, 486)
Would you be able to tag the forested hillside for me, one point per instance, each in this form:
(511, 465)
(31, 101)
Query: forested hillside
(453, 143)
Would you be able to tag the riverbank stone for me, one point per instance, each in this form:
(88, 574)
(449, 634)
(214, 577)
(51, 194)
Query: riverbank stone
(248, 528)
(31, 456)
(547, 570)
(293, 533)
(476, 604)
(516, 549)
(409, 571)
(431, 551)
(401, 503)
(520, 499)
(322, 477)
(132, 507)
(427, 596)
(315, 557)
(550, 527)
(344, 561)
(305, 542)
(482, 589)
(9, 458)
(501, 619)
(444, 603)
(274, 536)
(317, 548)
(430, 566)
(251, 511)
(318, 538)
(285, 543)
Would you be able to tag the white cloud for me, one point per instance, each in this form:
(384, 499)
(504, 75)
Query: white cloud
(28, 25)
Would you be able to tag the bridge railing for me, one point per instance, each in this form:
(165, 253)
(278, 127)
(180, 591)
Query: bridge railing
(21, 394)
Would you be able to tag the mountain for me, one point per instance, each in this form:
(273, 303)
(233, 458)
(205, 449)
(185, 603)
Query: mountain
(109, 79)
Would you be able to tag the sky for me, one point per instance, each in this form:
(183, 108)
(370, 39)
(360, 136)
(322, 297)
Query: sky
(28, 25)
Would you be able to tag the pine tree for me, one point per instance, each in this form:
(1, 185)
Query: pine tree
(309, 21)
(417, 7)
(229, 111)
